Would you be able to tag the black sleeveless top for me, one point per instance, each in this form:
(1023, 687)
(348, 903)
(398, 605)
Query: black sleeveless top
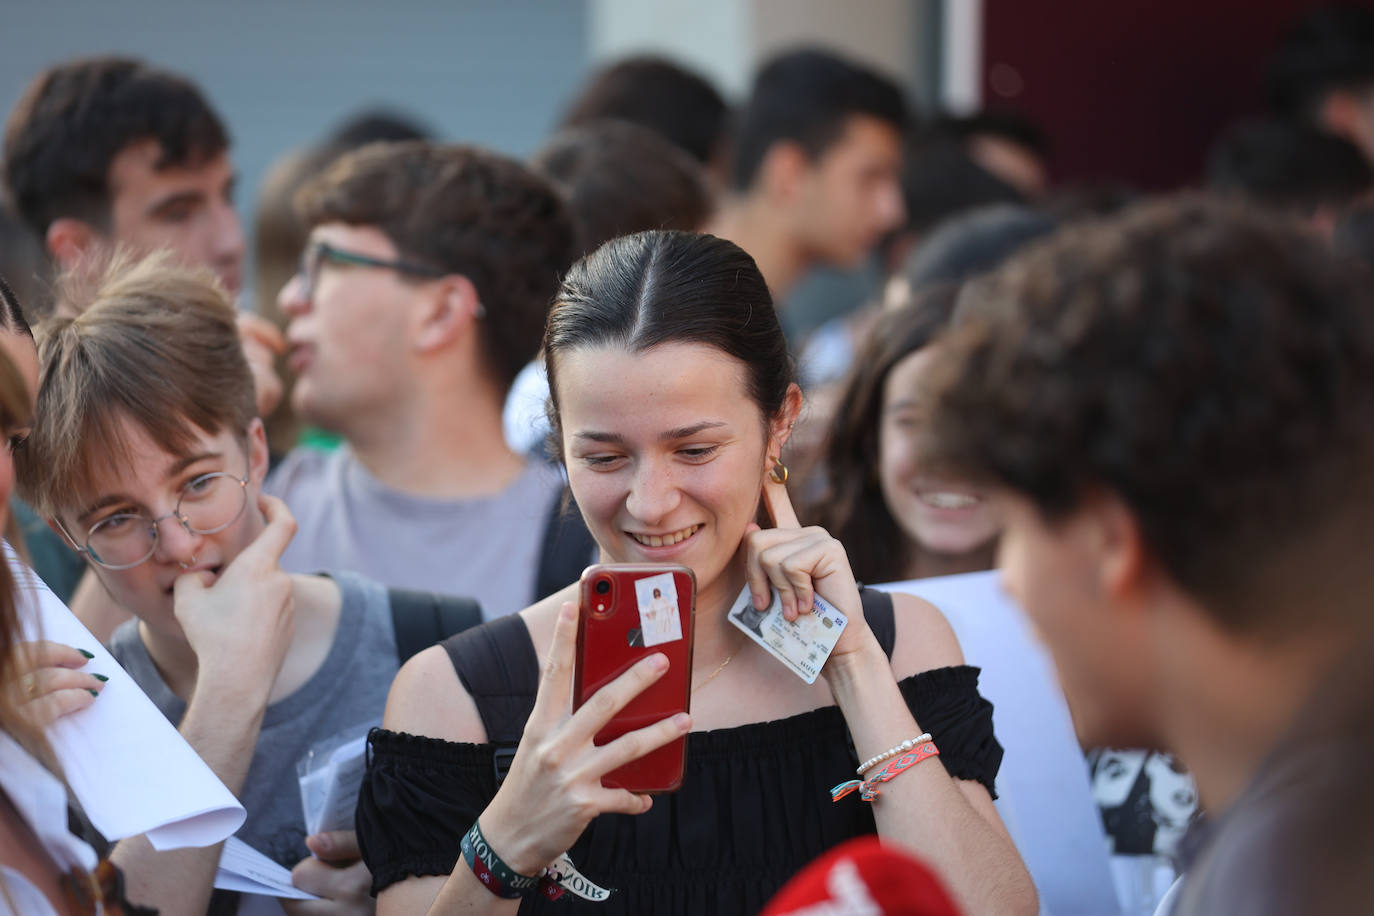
(753, 809)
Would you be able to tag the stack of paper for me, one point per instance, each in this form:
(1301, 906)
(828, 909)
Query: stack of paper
(242, 868)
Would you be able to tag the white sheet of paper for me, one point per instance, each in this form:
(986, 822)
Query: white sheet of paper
(242, 868)
(1045, 795)
(130, 769)
(329, 795)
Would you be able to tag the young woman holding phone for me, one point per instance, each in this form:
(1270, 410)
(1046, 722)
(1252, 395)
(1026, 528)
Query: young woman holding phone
(672, 399)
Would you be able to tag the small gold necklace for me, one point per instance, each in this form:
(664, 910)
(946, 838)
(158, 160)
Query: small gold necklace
(718, 670)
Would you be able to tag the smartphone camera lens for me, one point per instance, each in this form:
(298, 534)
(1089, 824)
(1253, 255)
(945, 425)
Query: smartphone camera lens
(603, 587)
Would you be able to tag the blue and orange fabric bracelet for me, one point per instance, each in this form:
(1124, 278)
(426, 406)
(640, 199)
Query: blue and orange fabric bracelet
(868, 789)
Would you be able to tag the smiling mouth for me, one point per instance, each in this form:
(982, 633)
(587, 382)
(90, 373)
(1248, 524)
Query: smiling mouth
(948, 499)
(664, 540)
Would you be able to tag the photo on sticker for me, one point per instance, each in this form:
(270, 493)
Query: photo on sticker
(659, 619)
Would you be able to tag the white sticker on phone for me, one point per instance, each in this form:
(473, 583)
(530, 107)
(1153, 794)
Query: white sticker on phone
(802, 645)
(659, 618)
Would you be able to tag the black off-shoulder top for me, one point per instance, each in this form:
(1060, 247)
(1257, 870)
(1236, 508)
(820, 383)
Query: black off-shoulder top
(754, 806)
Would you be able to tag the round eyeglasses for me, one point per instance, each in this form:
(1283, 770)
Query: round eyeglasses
(207, 505)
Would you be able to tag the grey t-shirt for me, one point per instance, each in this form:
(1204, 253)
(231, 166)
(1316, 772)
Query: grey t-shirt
(485, 548)
(348, 690)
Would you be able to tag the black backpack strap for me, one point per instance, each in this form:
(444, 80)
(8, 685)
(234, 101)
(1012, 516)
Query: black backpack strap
(421, 619)
(877, 607)
(499, 669)
(567, 549)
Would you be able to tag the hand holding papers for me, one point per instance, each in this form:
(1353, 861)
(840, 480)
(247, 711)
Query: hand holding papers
(125, 763)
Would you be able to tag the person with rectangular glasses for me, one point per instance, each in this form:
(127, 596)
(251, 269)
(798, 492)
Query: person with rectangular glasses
(149, 462)
(421, 294)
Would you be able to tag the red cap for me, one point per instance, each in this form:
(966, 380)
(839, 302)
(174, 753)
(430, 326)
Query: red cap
(863, 878)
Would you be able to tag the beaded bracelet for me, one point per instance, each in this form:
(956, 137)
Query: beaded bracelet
(868, 790)
(495, 875)
(891, 752)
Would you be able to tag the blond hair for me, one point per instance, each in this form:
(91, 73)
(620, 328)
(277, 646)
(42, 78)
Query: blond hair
(154, 343)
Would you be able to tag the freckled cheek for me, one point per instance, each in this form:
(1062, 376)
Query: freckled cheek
(598, 499)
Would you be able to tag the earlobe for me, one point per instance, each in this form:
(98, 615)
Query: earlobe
(259, 457)
(69, 239)
(784, 167)
(787, 417)
(454, 307)
(1121, 547)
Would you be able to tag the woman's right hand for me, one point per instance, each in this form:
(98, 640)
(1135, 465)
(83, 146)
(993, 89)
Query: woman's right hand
(50, 684)
(553, 789)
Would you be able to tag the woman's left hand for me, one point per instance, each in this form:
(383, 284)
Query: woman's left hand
(52, 684)
(801, 563)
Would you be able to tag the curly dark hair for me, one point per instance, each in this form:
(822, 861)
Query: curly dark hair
(1209, 365)
(75, 118)
(464, 210)
(852, 507)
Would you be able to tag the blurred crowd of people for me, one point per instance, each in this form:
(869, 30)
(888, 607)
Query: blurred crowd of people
(358, 488)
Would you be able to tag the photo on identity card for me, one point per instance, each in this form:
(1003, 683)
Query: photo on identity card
(659, 619)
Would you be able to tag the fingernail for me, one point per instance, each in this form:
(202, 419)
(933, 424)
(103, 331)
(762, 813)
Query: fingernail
(682, 721)
(87, 654)
(100, 677)
(321, 842)
(659, 662)
(760, 602)
(94, 693)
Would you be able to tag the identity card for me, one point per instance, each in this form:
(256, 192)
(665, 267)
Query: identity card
(802, 645)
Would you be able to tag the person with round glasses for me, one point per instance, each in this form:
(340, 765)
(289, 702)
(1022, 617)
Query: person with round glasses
(149, 460)
(208, 504)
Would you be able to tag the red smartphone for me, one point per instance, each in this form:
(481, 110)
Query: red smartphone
(630, 611)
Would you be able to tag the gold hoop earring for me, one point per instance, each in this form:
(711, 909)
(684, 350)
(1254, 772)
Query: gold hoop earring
(779, 472)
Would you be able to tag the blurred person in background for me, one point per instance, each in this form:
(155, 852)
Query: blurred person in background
(620, 178)
(149, 460)
(1290, 166)
(109, 151)
(843, 384)
(1171, 409)
(1005, 144)
(422, 292)
(940, 181)
(617, 178)
(1322, 72)
(897, 520)
(674, 102)
(279, 237)
(817, 155)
